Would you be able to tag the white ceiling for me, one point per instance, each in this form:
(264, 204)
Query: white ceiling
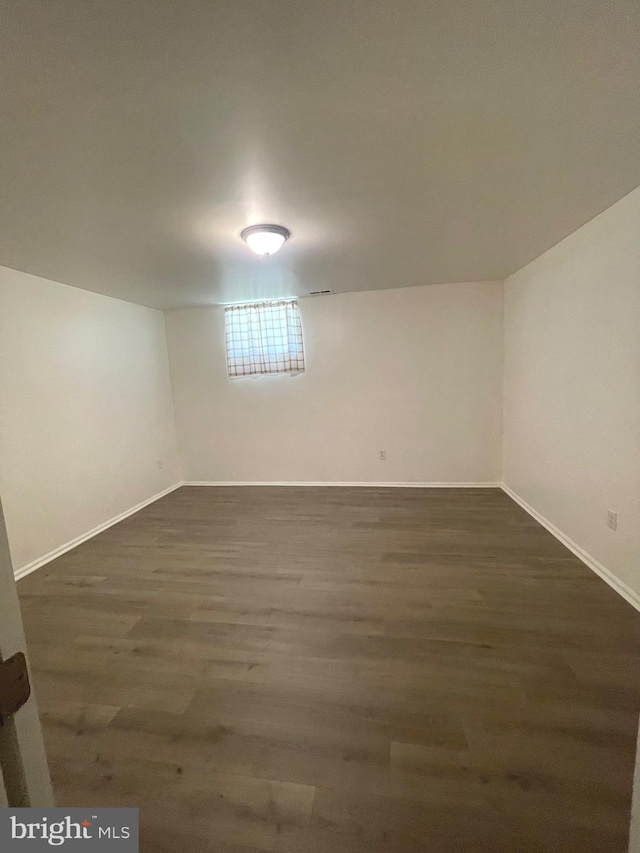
(403, 142)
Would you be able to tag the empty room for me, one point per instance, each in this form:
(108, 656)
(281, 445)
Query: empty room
(319, 426)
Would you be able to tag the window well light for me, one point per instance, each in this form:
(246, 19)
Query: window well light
(265, 239)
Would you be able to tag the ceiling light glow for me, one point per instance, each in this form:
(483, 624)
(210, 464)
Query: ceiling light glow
(265, 239)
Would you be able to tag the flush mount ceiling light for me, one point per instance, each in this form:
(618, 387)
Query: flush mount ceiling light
(265, 239)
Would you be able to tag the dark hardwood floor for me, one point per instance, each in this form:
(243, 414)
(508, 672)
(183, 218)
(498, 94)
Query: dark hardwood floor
(338, 670)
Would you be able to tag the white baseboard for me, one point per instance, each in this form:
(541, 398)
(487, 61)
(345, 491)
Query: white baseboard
(398, 485)
(57, 552)
(614, 582)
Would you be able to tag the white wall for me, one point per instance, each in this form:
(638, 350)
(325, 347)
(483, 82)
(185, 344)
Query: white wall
(414, 371)
(85, 411)
(572, 387)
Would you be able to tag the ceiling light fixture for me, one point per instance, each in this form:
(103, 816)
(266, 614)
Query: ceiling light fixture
(265, 239)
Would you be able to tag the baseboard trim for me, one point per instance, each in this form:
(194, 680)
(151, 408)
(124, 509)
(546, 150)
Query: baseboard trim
(608, 576)
(360, 484)
(68, 546)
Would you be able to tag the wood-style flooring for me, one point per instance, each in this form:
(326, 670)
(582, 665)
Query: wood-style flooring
(338, 670)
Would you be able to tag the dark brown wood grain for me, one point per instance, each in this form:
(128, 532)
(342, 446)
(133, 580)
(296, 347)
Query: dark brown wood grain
(338, 670)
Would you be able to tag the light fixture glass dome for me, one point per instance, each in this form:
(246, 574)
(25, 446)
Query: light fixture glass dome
(265, 239)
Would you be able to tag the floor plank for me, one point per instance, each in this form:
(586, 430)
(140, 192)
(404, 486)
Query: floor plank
(338, 669)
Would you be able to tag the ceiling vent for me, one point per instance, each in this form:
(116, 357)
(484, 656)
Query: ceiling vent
(320, 292)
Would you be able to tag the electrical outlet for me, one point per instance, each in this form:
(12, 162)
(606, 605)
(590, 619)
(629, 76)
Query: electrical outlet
(382, 454)
(160, 464)
(612, 519)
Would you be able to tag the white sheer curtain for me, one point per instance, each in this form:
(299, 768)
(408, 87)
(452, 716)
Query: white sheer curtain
(264, 337)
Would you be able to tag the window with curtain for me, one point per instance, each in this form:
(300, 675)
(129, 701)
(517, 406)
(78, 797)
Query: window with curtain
(264, 337)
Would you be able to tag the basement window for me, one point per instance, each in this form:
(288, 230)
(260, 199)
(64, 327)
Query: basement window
(263, 337)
